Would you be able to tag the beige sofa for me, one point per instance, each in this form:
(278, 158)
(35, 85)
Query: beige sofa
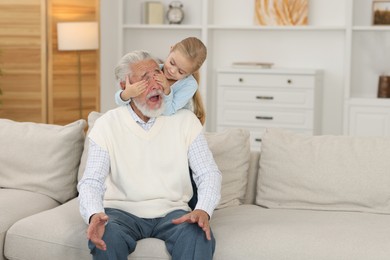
(325, 197)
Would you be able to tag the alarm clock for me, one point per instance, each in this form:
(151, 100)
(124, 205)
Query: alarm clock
(175, 13)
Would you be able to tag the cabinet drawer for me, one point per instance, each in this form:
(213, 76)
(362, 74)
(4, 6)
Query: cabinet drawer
(268, 80)
(369, 121)
(266, 118)
(256, 134)
(254, 138)
(265, 97)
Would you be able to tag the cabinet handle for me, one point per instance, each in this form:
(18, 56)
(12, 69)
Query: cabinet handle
(240, 80)
(264, 117)
(258, 140)
(264, 97)
(289, 81)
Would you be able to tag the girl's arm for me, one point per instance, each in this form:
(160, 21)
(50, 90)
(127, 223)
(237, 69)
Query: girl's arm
(123, 97)
(182, 92)
(119, 101)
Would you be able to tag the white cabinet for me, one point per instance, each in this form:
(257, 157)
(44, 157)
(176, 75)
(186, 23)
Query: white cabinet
(256, 99)
(369, 118)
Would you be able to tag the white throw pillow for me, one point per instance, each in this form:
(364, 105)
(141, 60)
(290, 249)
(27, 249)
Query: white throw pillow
(92, 117)
(324, 172)
(231, 151)
(41, 158)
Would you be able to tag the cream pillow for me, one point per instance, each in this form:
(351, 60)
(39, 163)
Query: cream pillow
(324, 172)
(231, 151)
(41, 158)
(92, 117)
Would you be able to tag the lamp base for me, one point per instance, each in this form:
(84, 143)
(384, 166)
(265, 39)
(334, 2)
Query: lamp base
(80, 84)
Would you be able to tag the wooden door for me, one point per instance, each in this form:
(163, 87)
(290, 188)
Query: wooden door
(38, 82)
(23, 60)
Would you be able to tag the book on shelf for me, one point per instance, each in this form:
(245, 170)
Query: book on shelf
(252, 64)
(281, 12)
(153, 12)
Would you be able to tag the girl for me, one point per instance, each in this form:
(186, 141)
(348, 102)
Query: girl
(179, 78)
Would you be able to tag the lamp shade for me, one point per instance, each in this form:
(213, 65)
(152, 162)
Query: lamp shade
(77, 36)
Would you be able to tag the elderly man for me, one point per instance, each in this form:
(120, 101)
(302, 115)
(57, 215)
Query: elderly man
(137, 184)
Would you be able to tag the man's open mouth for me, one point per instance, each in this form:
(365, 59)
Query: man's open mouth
(155, 98)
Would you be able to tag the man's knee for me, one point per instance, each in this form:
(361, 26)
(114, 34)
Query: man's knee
(119, 244)
(192, 232)
(190, 242)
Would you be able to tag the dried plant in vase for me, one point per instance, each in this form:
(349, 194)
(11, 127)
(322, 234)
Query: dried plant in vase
(281, 12)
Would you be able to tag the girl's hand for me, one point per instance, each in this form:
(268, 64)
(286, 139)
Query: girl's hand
(133, 90)
(162, 80)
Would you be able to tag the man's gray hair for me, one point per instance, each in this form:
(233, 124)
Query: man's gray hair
(122, 68)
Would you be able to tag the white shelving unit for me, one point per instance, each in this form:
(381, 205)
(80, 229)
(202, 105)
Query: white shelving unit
(339, 40)
(368, 58)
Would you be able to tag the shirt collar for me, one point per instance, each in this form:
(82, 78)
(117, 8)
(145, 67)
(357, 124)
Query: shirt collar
(138, 119)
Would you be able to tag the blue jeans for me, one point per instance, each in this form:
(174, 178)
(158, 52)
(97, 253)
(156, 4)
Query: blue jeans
(184, 242)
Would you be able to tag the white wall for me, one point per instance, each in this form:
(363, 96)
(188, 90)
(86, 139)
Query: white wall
(108, 52)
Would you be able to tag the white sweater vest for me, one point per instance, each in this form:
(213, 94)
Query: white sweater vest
(149, 169)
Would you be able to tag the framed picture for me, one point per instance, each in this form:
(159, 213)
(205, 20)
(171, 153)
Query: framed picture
(381, 12)
(281, 12)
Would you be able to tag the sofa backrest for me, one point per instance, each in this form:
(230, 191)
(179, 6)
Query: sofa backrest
(327, 172)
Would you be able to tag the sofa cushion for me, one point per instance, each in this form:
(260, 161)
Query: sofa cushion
(41, 158)
(253, 232)
(231, 151)
(60, 234)
(150, 249)
(18, 204)
(324, 172)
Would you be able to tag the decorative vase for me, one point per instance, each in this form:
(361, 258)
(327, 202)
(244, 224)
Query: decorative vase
(384, 87)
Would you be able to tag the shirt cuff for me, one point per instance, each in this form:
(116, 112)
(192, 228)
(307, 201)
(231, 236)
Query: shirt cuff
(205, 207)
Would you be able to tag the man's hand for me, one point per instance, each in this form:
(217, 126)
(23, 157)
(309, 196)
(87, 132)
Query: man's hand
(162, 80)
(196, 216)
(132, 90)
(96, 229)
